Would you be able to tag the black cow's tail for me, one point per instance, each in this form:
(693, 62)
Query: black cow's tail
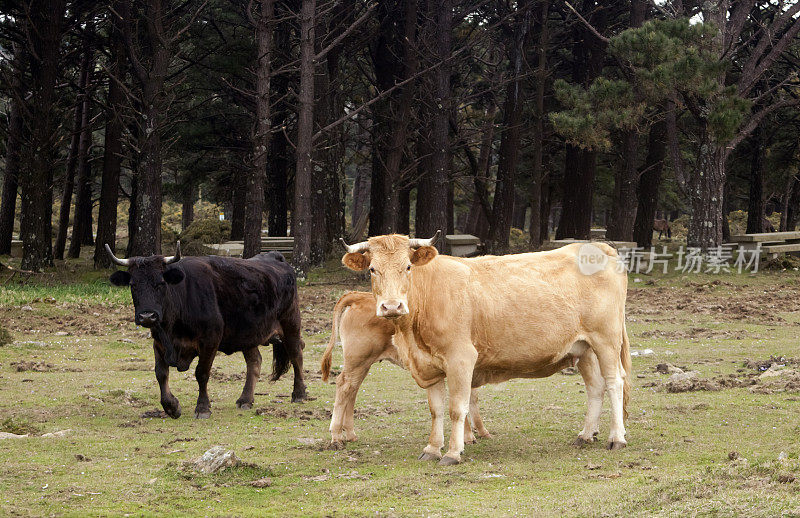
(281, 359)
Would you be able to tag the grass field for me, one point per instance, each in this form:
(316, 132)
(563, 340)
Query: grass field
(78, 363)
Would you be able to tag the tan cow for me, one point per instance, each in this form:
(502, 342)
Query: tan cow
(489, 319)
(367, 339)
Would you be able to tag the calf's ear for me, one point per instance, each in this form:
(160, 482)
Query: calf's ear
(120, 278)
(356, 261)
(423, 255)
(173, 276)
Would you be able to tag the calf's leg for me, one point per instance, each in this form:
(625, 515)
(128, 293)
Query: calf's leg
(436, 395)
(475, 416)
(595, 388)
(347, 385)
(169, 402)
(252, 357)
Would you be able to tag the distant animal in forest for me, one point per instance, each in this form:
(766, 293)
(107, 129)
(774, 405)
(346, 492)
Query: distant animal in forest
(662, 226)
(766, 224)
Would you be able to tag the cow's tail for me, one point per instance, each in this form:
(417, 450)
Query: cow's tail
(625, 358)
(343, 302)
(281, 359)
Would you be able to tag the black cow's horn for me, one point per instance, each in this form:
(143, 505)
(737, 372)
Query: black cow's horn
(117, 260)
(416, 243)
(356, 248)
(174, 258)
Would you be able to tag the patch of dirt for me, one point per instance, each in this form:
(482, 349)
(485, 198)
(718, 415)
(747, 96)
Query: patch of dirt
(218, 375)
(154, 414)
(758, 376)
(303, 414)
(371, 411)
(697, 333)
(40, 366)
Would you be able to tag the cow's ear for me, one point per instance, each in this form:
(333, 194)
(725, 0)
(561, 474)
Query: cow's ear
(423, 255)
(173, 276)
(120, 278)
(356, 261)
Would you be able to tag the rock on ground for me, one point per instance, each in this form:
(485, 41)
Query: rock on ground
(216, 459)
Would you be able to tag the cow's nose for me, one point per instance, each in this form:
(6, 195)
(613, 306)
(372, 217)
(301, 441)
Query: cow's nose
(392, 308)
(147, 318)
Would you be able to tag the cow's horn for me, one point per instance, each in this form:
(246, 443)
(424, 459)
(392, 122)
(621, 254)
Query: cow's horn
(356, 248)
(117, 260)
(174, 258)
(416, 243)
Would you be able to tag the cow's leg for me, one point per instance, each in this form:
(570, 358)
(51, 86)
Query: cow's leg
(347, 385)
(475, 416)
(459, 380)
(608, 357)
(202, 373)
(294, 349)
(252, 357)
(436, 395)
(169, 402)
(595, 387)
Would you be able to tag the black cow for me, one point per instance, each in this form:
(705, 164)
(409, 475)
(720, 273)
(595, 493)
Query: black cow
(197, 306)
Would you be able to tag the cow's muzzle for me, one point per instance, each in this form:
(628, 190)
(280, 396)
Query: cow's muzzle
(147, 319)
(392, 308)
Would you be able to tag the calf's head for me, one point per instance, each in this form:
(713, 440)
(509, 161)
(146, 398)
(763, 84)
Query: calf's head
(391, 261)
(148, 278)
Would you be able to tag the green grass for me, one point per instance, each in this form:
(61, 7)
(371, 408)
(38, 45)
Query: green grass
(677, 462)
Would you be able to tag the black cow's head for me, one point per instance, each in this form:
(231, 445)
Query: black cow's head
(148, 278)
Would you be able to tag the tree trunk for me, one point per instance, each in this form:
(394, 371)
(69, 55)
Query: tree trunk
(254, 207)
(624, 204)
(505, 190)
(277, 188)
(240, 176)
(535, 193)
(706, 188)
(649, 185)
(580, 165)
(45, 30)
(626, 179)
(82, 222)
(188, 195)
(132, 210)
(755, 203)
(793, 205)
(480, 210)
(112, 151)
(434, 186)
(8, 203)
(80, 121)
(302, 216)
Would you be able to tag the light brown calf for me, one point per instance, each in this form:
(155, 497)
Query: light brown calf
(367, 339)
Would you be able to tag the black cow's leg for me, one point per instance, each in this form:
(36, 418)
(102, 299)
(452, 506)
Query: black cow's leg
(202, 373)
(253, 359)
(169, 402)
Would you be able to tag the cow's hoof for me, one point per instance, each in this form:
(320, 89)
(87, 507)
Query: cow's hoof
(471, 440)
(449, 461)
(299, 398)
(244, 405)
(202, 414)
(429, 456)
(616, 445)
(172, 409)
(336, 445)
(485, 435)
(580, 442)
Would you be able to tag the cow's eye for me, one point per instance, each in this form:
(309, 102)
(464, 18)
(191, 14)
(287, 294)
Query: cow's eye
(371, 269)
(408, 267)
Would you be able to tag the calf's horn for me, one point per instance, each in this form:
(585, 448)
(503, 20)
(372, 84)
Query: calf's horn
(115, 259)
(416, 243)
(174, 258)
(356, 248)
